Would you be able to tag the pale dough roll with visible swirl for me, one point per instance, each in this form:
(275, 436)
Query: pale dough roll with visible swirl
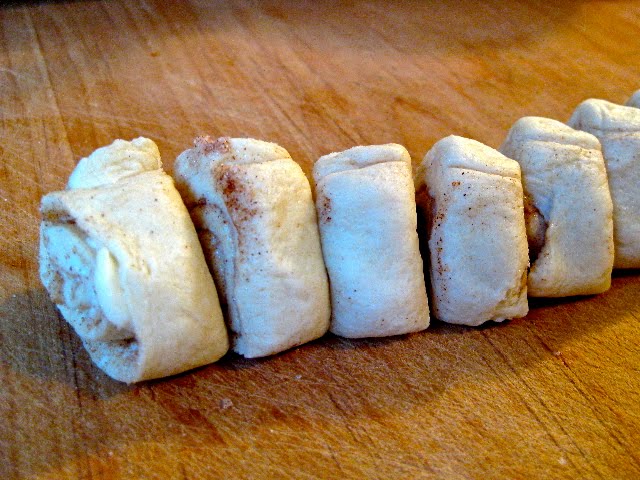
(471, 195)
(367, 217)
(254, 212)
(618, 129)
(565, 182)
(122, 261)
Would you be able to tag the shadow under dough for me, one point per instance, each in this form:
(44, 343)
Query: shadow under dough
(38, 342)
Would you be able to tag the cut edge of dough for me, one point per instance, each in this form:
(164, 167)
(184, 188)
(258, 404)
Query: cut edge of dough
(126, 369)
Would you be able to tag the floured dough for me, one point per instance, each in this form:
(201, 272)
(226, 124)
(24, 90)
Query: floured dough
(565, 184)
(618, 129)
(121, 259)
(634, 100)
(367, 218)
(472, 197)
(253, 208)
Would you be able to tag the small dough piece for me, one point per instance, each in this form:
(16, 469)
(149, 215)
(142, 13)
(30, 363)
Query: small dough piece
(122, 261)
(618, 129)
(252, 206)
(367, 217)
(634, 100)
(565, 181)
(471, 195)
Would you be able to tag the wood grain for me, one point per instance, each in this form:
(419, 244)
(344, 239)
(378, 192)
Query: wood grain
(554, 395)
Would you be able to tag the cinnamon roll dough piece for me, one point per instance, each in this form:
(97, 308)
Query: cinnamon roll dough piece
(253, 208)
(618, 129)
(565, 182)
(471, 195)
(122, 261)
(367, 218)
(634, 100)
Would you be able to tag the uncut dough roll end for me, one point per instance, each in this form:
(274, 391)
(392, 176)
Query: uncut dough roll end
(122, 261)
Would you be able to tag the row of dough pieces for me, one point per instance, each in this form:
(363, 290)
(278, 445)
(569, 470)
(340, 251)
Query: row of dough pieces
(121, 258)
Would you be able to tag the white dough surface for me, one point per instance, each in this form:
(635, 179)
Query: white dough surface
(565, 180)
(255, 215)
(472, 197)
(618, 129)
(120, 257)
(367, 215)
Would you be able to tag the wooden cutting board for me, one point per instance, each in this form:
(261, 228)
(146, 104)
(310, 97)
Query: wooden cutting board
(554, 395)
